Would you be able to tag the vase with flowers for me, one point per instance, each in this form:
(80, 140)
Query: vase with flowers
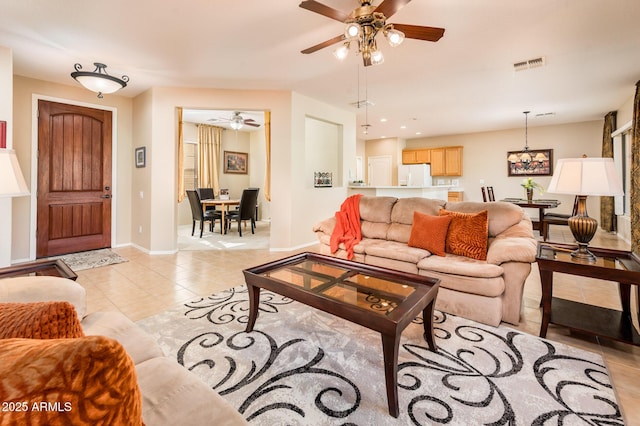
(529, 185)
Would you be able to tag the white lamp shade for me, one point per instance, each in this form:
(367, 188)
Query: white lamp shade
(585, 176)
(99, 84)
(12, 182)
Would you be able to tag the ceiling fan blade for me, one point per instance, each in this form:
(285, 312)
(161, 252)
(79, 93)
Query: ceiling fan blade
(323, 10)
(250, 123)
(420, 33)
(389, 7)
(324, 44)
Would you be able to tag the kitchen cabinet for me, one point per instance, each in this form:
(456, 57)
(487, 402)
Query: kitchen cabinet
(416, 156)
(446, 161)
(454, 196)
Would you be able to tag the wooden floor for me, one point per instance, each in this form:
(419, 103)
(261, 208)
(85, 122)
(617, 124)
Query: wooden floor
(147, 285)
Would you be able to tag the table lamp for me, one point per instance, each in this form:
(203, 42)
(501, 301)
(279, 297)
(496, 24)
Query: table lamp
(12, 182)
(583, 177)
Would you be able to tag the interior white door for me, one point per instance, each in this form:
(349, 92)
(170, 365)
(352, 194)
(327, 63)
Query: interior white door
(380, 170)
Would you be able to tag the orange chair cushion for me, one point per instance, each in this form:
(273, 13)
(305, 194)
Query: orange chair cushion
(429, 232)
(87, 380)
(468, 234)
(39, 320)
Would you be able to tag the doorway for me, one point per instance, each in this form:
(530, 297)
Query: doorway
(380, 170)
(73, 207)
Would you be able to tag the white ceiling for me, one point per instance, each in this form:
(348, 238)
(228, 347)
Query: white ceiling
(463, 83)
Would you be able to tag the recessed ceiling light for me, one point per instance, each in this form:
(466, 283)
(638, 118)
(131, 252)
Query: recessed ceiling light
(383, 120)
(418, 133)
(403, 127)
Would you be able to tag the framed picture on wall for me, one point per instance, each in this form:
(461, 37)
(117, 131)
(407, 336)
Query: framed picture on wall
(3, 134)
(541, 163)
(141, 156)
(236, 162)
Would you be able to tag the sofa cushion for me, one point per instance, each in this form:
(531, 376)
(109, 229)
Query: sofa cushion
(376, 209)
(87, 380)
(44, 289)
(502, 215)
(429, 232)
(393, 250)
(39, 320)
(467, 234)
(178, 394)
(140, 345)
(460, 265)
(403, 209)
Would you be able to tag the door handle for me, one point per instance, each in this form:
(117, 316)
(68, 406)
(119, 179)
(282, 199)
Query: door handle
(106, 196)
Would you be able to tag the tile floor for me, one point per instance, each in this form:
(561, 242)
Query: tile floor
(147, 285)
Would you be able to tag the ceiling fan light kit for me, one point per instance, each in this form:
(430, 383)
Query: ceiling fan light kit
(364, 23)
(98, 80)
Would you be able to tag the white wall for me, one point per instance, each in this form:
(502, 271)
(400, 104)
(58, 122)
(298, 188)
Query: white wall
(6, 114)
(485, 157)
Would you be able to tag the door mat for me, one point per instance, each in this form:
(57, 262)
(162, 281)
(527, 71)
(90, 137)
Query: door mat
(91, 259)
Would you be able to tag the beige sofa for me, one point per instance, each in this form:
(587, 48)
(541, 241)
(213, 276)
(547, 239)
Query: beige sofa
(485, 291)
(171, 394)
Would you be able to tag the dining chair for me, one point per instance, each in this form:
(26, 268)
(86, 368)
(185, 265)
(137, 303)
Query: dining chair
(556, 219)
(199, 215)
(487, 194)
(246, 210)
(207, 194)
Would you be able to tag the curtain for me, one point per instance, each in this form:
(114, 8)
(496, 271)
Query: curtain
(181, 188)
(267, 138)
(635, 174)
(608, 220)
(209, 142)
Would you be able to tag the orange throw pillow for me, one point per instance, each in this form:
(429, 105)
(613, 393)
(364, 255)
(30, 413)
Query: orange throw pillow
(88, 380)
(429, 232)
(468, 234)
(39, 320)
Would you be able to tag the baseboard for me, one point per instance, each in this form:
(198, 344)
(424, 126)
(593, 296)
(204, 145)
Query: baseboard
(301, 246)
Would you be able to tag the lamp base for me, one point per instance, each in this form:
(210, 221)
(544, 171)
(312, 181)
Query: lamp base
(583, 229)
(582, 254)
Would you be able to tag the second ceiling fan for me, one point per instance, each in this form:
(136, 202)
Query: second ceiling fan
(364, 23)
(237, 121)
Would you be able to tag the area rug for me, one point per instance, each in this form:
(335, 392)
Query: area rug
(229, 241)
(301, 366)
(91, 259)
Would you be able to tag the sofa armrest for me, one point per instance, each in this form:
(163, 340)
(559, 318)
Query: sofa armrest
(515, 244)
(326, 226)
(44, 289)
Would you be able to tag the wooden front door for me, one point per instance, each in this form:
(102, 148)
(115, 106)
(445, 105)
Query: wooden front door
(74, 179)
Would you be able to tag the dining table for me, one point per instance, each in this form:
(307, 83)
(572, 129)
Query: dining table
(224, 207)
(539, 204)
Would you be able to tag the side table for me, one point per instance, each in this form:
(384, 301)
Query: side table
(610, 265)
(55, 267)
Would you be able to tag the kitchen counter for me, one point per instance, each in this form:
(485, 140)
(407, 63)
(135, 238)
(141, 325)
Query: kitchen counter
(434, 192)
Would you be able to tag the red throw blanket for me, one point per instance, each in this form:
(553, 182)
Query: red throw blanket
(347, 229)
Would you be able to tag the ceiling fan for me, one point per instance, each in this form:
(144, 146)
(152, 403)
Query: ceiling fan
(364, 23)
(237, 121)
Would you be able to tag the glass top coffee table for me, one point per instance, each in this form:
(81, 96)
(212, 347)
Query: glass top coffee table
(377, 298)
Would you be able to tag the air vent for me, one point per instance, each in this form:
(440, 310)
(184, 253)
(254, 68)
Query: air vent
(546, 114)
(528, 64)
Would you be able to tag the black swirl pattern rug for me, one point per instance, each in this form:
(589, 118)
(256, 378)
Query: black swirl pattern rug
(301, 366)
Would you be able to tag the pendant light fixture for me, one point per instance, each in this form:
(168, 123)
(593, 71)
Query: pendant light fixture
(524, 161)
(98, 80)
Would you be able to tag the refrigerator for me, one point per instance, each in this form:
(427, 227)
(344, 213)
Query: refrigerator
(418, 175)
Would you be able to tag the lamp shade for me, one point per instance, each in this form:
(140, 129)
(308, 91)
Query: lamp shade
(12, 182)
(585, 176)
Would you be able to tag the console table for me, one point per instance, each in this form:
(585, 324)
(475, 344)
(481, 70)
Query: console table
(611, 265)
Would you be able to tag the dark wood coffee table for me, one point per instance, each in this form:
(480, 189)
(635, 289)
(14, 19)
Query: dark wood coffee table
(49, 267)
(377, 298)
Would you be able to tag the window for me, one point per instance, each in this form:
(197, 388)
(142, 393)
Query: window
(190, 165)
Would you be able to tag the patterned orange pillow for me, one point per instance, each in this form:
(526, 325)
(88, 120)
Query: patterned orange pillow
(88, 380)
(468, 234)
(429, 232)
(39, 320)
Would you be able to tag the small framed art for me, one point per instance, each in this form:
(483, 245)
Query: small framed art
(236, 162)
(141, 156)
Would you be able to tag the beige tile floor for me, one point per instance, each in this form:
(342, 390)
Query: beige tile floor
(147, 285)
